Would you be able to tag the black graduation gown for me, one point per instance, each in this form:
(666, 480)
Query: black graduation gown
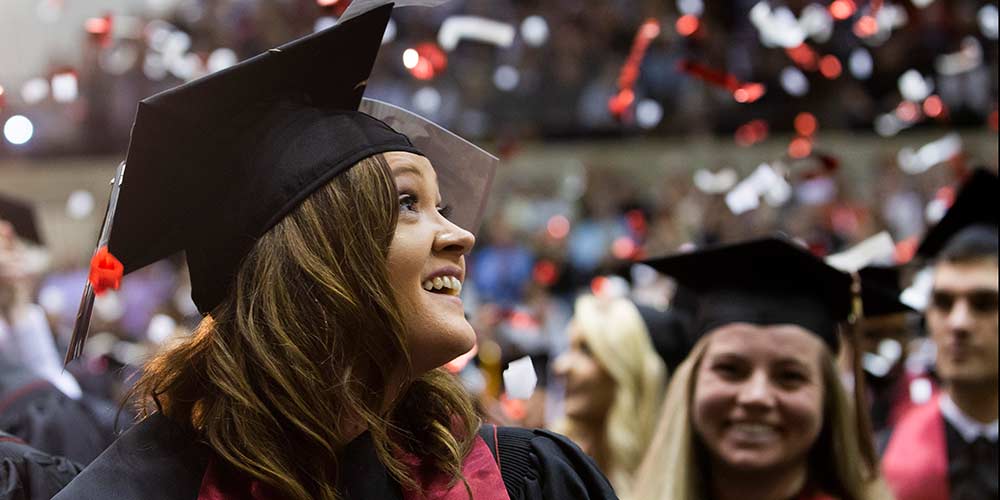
(38, 413)
(157, 460)
(972, 467)
(28, 474)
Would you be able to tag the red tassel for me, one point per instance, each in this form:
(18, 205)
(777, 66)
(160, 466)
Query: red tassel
(105, 271)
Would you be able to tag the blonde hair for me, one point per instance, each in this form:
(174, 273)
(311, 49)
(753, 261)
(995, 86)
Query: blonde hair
(618, 339)
(673, 467)
(310, 340)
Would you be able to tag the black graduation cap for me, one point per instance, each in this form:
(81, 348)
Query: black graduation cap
(215, 163)
(21, 215)
(880, 290)
(974, 205)
(669, 331)
(766, 282)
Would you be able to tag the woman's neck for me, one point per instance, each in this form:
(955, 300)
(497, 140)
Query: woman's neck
(779, 484)
(589, 436)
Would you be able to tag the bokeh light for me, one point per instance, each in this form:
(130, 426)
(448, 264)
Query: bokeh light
(18, 130)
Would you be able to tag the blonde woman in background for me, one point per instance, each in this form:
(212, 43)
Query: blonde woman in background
(757, 410)
(614, 386)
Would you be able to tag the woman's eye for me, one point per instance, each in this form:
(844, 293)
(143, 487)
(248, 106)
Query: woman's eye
(407, 203)
(726, 370)
(792, 378)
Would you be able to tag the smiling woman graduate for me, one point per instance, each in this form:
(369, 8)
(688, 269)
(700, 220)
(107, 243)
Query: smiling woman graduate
(757, 410)
(327, 250)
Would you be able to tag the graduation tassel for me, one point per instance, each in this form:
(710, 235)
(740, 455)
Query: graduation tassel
(866, 439)
(105, 272)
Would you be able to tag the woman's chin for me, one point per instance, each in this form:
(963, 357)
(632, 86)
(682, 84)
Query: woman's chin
(444, 347)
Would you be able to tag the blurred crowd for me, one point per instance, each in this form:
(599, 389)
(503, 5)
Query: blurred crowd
(521, 70)
(555, 273)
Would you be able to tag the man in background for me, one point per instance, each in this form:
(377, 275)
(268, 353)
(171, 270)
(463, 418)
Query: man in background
(947, 449)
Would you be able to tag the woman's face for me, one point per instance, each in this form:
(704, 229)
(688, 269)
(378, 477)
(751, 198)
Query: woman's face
(590, 389)
(427, 266)
(758, 396)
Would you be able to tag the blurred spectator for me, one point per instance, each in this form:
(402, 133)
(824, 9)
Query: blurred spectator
(614, 385)
(947, 448)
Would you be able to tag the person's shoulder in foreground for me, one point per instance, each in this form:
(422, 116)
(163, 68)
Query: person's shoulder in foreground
(538, 464)
(28, 474)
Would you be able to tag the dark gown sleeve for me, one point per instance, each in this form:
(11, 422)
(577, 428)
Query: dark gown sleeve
(154, 460)
(538, 464)
(28, 474)
(38, 413)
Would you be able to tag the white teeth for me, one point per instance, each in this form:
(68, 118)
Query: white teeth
(449, 283)
(755, 430)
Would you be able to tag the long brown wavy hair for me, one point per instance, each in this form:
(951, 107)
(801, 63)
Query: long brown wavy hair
(308, 348)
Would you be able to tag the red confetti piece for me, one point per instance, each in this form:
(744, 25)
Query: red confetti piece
(545, 273)
(908, 111)
(803, 56)
(636, 221)
(993, 120)
(805, 124)
(100, 29)
(105, 271)
(622, 101)
(751, 133)
(830, 67)
(866, 26)
(842, 9)
(558, 227)
(687, 25)
(598, 285)
(799, 148)
(624, 248)
(431, 61)
(743, 92)
(933, 106)
(905, 250)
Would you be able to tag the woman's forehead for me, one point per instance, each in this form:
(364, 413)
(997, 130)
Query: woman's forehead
(765, 341)
(401, 162)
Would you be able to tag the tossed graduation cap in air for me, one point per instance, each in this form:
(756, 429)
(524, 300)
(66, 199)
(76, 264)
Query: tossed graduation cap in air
(214, 164)
(975, 204)
(21, 215)
(766, 281)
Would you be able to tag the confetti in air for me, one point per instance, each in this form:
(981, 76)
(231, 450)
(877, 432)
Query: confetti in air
(743, 92)
(622, 101)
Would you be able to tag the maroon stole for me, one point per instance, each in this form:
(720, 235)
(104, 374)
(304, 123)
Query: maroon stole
(480, 470)
(915, 463)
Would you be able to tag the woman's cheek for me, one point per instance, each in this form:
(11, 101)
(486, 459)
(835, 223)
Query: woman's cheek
(711, 404)
(804, 417)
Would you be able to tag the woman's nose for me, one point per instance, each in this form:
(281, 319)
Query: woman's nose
(756, 391)
(452, 238)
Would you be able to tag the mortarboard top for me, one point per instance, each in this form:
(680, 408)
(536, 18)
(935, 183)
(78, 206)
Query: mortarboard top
(974, 205)
(880, 291)
(766, 281)
(668, 331)
(214, 163)
(21, 215)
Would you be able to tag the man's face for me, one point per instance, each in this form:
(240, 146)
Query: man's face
(962, 318)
